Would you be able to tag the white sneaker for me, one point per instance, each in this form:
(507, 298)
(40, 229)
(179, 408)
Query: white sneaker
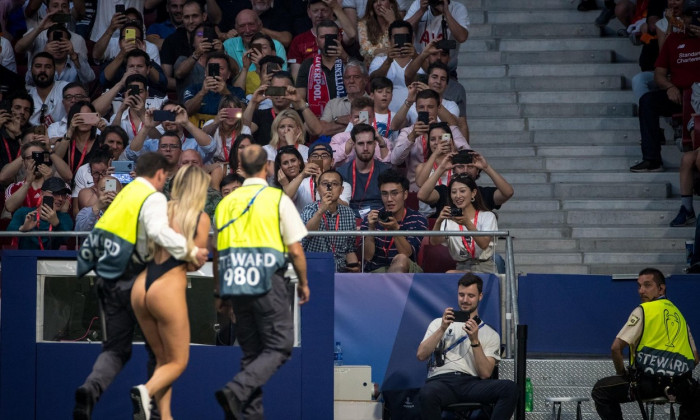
(141, 402)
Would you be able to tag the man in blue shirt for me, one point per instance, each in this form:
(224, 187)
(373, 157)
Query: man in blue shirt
(157, 32)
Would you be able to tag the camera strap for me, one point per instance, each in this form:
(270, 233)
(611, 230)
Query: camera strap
(471, 244)
(444, 26)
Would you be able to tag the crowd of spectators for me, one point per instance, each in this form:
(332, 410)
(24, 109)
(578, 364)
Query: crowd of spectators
(356, 104)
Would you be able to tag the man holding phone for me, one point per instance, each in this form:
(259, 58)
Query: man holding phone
(70, 66)
(336, 115)
(107, 189)
(411, 145)
(361, 112)
(320, 78)
(47, 217)
(202, 100)
(36, 38)
(392, 66)
(462, 357)
(328, 214)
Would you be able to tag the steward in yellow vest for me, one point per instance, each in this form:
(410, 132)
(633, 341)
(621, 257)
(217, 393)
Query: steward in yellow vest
(109, 248)
(662, 356)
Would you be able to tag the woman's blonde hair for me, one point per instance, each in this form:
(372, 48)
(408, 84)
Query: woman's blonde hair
(188, 196)
(292, 114)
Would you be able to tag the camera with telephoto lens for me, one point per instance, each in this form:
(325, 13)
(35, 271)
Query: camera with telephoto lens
(384, 216)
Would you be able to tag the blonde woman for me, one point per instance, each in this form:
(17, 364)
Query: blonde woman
(287, 130)
(158, 294)
(373, 29)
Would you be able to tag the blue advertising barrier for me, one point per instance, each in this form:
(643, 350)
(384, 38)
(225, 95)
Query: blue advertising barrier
(380, 319)
(38, 380)
(582, 314)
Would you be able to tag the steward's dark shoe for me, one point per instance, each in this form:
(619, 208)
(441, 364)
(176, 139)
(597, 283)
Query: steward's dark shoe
(230, 403)
(647, 166)
(84, 402)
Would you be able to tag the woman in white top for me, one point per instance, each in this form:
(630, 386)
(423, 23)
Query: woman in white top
(287, 130)
(466, 212)
(440, 144)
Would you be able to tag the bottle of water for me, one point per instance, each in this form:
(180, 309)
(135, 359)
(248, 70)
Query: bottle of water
(528, 395)
(338, 354)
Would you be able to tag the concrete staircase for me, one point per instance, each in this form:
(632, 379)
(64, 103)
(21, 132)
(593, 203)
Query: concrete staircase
(550, 106)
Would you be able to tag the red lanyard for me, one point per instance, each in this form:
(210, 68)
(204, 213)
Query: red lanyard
(354, 179)
(274, 114)
(471, 245)
(133, 126)
(328, 228)
(72, 156)
(311, 188)
(7, 148)
(449, 174)
(388, 247)
(223, 144)
(425, 148)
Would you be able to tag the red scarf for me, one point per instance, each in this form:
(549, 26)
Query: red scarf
(317, 86)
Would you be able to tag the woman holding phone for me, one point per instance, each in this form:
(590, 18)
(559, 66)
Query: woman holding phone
(439, 146)
(77, 144)
(158, 294)
(466, 212)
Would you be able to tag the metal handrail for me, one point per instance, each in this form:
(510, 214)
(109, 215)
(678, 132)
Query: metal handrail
(511, 313)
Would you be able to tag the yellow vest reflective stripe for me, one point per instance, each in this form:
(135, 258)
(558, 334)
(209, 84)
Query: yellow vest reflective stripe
(109, 248)
(664, 348)
(249, 241)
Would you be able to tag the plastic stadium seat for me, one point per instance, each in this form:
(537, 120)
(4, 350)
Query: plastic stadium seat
(434, 258)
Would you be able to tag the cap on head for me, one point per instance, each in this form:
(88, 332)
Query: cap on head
(55, 185)
(324, 147)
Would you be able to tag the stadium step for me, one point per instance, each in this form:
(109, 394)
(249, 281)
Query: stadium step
(549, 105)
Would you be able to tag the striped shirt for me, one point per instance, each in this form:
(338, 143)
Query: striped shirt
(385, 247)
(339, 245)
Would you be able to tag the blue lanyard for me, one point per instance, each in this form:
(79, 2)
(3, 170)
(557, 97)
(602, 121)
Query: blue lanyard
(252, 200)
(458, 342)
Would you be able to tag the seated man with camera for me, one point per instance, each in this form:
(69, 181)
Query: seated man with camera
(440, 19)
(463, 352)
(393, 254)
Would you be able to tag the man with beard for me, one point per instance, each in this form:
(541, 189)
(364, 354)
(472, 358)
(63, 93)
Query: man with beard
(462, 358)
(342, 145)
(46, 93)
(157, 32)
(362, 172)
(180, 42)
(12, 123)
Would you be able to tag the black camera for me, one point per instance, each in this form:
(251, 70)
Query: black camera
(455, 211)
(384, 216)
(463, 157)
(446, 44)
